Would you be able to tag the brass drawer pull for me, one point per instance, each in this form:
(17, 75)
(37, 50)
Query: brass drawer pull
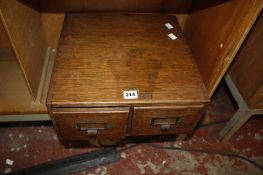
(91, 128)
(165, 123)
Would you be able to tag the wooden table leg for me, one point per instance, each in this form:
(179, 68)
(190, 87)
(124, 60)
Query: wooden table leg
(238, 120)
(241, 116)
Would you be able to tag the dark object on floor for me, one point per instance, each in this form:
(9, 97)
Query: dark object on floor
(73, 164)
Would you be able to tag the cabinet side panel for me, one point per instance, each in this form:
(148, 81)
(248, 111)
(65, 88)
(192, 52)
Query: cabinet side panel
(216, 33)
(6, 50)
(24, 27)
(247, 69)
(52, 23)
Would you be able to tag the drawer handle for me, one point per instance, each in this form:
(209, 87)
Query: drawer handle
(165, 123)
(91, 128)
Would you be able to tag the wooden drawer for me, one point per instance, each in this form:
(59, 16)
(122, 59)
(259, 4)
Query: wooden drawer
(165, 120)
(85, 123)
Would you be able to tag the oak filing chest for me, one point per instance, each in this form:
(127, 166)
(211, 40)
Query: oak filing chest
(119, 75)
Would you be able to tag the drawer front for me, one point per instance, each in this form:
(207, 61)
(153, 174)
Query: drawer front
(165, 120)
(89, 123)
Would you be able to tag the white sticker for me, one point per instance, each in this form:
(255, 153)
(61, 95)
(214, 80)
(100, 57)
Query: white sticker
(130, 95)
(9, 162)
(169, 26)
(172, 36)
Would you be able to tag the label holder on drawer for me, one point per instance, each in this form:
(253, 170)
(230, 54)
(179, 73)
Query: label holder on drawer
(91, 128)
(165, 123)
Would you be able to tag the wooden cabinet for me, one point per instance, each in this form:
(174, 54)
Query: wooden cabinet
(26, 57)
(102, 56)
(112, 47)
(245, 81)
(246, 71)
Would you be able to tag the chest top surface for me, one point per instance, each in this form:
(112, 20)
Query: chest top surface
(102, 55)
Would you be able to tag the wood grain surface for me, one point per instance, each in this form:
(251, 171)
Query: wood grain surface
(25, 31)
(52, 25)
(247, 69)
(6, 50)
(216, 33)
(114, 118)
(102, 55)
(14, 95)
(165, 6)
(188, 116)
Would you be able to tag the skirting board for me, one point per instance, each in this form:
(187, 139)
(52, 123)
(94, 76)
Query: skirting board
(24, 118)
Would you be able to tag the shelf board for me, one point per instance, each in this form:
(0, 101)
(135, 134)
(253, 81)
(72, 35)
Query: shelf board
(14, 93)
